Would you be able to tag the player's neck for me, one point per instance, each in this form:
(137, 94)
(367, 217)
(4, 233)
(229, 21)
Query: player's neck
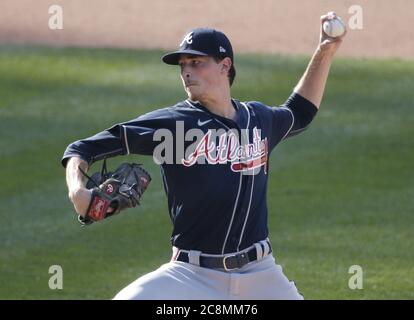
(220, 104)
(223, 108)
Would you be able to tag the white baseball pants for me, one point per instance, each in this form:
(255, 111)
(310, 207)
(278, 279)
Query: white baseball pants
(259, 280)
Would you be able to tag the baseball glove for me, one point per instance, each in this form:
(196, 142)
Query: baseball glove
(119, 190)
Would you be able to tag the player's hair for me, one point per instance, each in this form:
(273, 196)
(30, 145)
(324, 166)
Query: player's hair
(232, 72)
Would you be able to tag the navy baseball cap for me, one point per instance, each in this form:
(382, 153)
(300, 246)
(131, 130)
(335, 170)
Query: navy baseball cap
(202, 42)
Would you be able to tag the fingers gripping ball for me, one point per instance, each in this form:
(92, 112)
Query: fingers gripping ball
(334, 27)
(113, 192)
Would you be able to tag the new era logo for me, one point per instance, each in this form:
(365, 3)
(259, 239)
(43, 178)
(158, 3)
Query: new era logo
(222, 49)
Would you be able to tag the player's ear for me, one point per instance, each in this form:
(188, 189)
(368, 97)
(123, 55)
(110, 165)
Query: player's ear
(225, 65)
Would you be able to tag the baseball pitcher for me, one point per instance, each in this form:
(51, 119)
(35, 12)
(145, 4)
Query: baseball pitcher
(214, 170)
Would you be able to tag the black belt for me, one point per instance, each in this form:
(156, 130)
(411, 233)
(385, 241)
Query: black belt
(226, 262)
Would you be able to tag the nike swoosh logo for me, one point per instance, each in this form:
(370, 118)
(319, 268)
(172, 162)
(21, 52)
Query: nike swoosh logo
(202, 123)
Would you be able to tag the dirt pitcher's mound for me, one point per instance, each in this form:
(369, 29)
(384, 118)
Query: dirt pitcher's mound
(383, 28)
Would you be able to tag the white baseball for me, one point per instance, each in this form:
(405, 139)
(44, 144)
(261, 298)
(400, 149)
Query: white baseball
(334, 27)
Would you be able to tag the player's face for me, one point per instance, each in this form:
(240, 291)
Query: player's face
(200, 75)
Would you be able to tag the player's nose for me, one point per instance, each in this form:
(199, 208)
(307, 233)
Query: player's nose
(185, 70)
(186, 73)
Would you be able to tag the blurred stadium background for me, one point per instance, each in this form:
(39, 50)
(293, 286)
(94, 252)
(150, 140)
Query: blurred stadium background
(341, 194)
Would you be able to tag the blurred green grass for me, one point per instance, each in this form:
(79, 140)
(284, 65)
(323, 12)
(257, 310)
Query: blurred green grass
(340, 194)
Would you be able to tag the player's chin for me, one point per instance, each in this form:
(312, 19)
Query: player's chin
(192, 94)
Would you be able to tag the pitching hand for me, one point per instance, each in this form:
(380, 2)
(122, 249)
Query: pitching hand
(327, 43)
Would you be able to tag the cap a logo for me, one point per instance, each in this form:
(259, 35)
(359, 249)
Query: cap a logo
(222, 49)
(188, 38)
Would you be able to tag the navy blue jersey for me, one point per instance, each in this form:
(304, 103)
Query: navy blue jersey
(216, 184)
